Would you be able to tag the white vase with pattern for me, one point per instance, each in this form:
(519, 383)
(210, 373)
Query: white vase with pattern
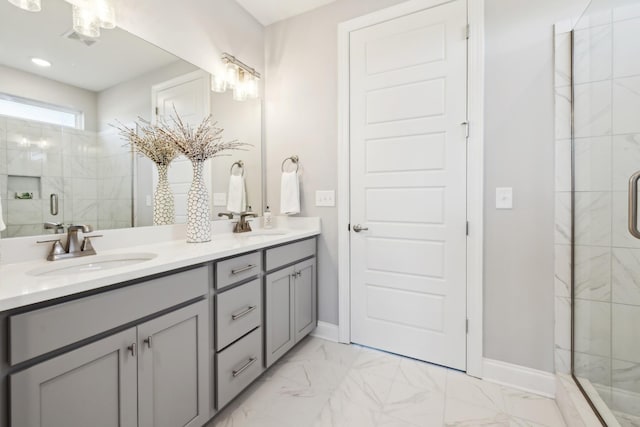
(198, 212)
(164, 212)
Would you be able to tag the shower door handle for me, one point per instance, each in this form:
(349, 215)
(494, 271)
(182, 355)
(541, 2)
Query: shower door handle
(633, 205)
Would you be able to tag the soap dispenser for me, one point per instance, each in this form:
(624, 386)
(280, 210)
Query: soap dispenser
(267, 218)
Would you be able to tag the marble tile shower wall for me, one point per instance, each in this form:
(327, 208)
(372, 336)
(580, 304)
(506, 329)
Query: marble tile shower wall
(115, 169)
(47, 159)
(607, 153)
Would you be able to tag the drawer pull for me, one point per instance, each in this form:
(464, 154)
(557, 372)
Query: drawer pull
(147, 341)
(243, 269)
(132, 348)
(243, 312)
(250, 362)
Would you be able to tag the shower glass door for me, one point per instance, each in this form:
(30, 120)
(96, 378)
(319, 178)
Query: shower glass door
(606, 253)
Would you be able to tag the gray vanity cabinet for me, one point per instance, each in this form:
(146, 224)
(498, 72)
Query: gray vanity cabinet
(279, 295)
(152, 375)
(173, 379)
(94, 385)
(290, 298)
(305, 316)
(147, 373)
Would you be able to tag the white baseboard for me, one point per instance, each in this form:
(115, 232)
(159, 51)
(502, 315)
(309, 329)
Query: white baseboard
(520, 377)
(327, 331)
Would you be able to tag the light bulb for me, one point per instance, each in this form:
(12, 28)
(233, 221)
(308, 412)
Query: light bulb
(29, 5)
(231, 75)
(218, 84)
(240, 90)
(86, 22)
(252, 86)
(106, 14)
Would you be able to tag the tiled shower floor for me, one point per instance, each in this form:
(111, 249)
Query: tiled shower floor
(321, 383)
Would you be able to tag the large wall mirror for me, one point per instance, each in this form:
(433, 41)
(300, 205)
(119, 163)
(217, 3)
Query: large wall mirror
(61, 161)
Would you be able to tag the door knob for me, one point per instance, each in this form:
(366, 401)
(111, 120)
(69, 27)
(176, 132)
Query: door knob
(358, 228)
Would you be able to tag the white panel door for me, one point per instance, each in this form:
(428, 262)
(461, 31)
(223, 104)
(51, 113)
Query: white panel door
(408, 185)
(189, 94)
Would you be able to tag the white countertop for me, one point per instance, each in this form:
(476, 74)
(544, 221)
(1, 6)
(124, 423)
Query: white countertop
(19, 288)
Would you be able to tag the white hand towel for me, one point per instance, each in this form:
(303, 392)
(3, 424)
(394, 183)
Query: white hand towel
(289, 193)
(3, 226)
(236, 199)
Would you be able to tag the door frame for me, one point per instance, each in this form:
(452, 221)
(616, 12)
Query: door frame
(475, 168)
(205, 82)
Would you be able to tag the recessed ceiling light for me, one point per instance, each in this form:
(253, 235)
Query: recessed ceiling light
(41, 62)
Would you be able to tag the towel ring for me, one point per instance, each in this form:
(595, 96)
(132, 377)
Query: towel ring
(294, 159)
(240, 164)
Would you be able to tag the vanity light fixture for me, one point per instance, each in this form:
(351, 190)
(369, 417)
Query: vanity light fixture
(29, 5)
(239, 77)
(88, 15)
(41, 62)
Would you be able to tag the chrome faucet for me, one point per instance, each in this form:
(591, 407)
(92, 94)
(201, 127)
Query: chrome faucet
(56, 226)
(72, 248)
(243, 225)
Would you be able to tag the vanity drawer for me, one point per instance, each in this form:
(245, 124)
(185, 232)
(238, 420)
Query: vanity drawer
(238, 366)
(288, 254)
(40, 331)
(234, 270)
(237, 312)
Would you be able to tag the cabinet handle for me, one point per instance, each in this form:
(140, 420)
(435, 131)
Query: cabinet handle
(243, 313)
(244, 367)
(243, 269)
(148, 341)
(132, 348)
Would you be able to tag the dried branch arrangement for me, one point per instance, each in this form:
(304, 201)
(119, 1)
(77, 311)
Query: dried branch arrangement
(149, 141)
(199, 143)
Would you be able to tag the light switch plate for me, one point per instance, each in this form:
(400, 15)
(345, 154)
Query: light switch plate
(326, 198)
(219, 199)
(504, 198)
(147, 200)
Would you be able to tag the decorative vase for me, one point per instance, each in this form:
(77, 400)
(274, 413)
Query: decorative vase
(163, 207)
(198, 215)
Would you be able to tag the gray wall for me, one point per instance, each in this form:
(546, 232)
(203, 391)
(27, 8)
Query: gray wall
(301, 118)
(519, 153)
(197, 31)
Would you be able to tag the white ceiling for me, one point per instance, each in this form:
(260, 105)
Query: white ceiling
(118, 56)
(269, 11)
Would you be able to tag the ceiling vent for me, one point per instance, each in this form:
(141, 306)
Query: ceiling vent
(72, 35)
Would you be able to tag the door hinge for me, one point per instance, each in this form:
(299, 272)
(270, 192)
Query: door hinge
(467, 326)
(467, 31)
(157, 111)
(466, 129)
(467, 231)
(348, 227)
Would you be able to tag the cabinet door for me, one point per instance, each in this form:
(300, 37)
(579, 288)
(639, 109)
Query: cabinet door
(94, 385)
(173, 368)
(305, 298)
(279, 294)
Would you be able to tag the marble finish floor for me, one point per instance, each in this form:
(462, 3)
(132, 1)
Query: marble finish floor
(325, 384)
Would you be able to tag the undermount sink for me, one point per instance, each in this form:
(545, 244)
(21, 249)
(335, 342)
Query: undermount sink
(91, 263)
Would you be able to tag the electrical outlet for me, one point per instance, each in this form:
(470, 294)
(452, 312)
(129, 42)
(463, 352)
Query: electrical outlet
(219, 199)
(326, 198)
